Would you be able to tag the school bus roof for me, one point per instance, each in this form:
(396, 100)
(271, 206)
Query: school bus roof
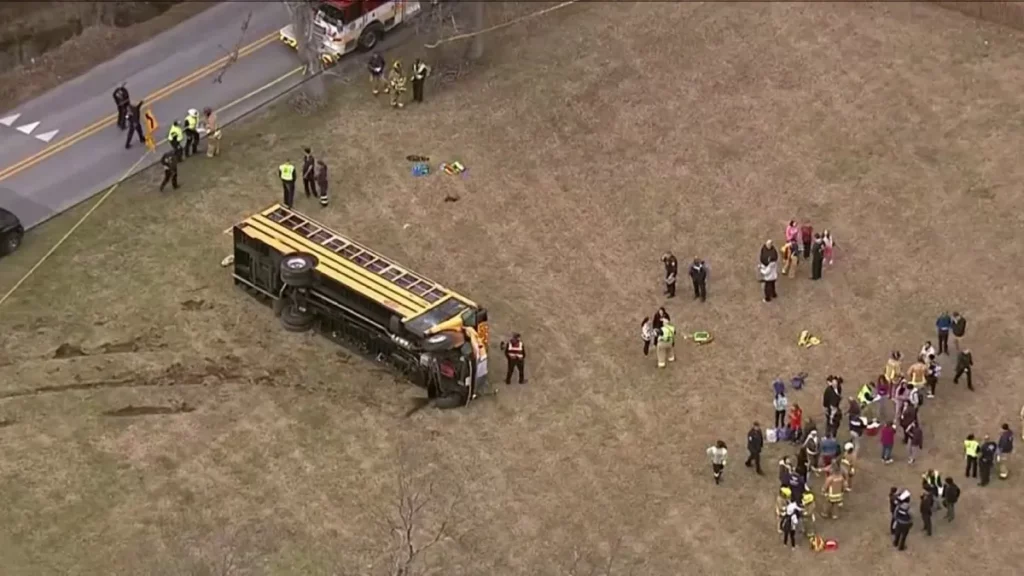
(406, 293)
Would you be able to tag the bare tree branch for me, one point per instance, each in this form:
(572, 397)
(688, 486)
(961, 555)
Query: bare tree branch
(233, 53)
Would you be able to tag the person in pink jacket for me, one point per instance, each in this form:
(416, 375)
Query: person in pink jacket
(793, 232)
(830, 246)
(888, 436)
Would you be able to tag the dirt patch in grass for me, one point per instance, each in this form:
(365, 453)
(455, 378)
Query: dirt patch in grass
(590, 152)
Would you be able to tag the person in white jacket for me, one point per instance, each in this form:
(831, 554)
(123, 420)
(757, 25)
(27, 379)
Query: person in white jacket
(646, 334)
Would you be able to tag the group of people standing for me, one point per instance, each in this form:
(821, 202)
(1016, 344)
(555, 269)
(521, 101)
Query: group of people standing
(659, 331)
(698, 272)
(314, 179)
(802, 242)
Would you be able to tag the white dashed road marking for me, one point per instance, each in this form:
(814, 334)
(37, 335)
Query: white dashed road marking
(10, 120)
(28, 128)
(47, 136)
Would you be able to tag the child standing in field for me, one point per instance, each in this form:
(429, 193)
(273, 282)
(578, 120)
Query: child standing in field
(717, 454)
(781, 404)
(829, 246)
(796, 423)
(888, 436)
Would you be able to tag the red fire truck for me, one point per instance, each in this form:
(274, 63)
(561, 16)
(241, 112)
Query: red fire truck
(347, 25)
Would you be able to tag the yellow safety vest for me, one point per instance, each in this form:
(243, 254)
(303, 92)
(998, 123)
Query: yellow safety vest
(971, 448)
(287, 171)
(191, 122)
(174, 134)
(668, 333)
(862, 396)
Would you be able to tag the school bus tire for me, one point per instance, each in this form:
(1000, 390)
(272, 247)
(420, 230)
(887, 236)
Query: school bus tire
(297, 269)
(449, 401)
(295, 320)
(441, 341)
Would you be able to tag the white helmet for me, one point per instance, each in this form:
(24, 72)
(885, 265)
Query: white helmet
(193, 112)
(849, 446)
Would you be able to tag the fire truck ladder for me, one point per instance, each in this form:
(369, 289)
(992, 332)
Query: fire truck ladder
(365, 259)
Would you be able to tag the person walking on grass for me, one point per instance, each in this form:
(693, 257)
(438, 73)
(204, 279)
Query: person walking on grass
(894, 501)
(769, 270)
(932, 375)
(781, 404)
(666, 347)
(959, 329)
(972, 449)
(755, 443)
(893, 366)
(793, 233)
(964, 367)
(671, 273)
(699, 277)
(943, 324)
(829, 245)
(646, 334)
(790, 524)
(950, 496)
(796, 423)
(987, 459)
(789, 260)
(928, 501)
(817, 257)
(718, 454)
(1005, 451)
(916, 441)
(888, 437)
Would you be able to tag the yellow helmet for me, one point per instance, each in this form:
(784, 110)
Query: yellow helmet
(808, 498)
(397, 65)
(785, 491)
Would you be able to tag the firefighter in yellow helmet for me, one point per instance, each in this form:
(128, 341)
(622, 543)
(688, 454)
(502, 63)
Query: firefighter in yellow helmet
(834, 489)
(809, 518)
(781, 501)
(396, 83)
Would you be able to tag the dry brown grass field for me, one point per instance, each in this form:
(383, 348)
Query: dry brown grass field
(595, 139)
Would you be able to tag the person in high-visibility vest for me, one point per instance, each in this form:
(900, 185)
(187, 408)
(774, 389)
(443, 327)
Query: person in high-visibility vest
(866, 397)
(396, 83)
(420, 71)
(666, 347)
(176, 136)
(810, 518)
(213, 134)
(191, 132)
(972, 449)
(287, 173)
(515, 355)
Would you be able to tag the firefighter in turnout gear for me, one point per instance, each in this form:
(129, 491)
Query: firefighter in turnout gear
(321, 182)
(287, 173)
(396, 84)
(377, 66)
(176, 136)
(515, 355)
(834, 489)
(191, 132)
(213, 134)
(666, 346)
(420, 71)
(170, 163)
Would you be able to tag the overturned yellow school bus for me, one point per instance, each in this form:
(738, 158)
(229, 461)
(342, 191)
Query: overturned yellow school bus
(316, 278)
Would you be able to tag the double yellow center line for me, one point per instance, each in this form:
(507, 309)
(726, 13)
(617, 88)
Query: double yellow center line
(154, 97)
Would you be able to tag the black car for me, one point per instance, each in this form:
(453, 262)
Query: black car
(11, 232)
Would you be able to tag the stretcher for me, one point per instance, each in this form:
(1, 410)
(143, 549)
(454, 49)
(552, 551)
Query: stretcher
(699, 338)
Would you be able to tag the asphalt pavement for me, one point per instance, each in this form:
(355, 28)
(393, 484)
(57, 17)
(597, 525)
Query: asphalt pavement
(64, 147)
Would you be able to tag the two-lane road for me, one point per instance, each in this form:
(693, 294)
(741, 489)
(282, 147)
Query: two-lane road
(64, 147)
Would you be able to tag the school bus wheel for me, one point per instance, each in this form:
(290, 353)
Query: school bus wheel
(295, 319)
(297, 269)
(441, 341)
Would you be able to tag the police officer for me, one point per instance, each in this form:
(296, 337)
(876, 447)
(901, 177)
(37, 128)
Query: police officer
(376, 66)
(175, 136)
(420, 71)
(396, 84)
(287, 173)
(987, 459)
(321, 182)
(515, 355)
(308, 172)
(134, 120)
(191, 132)
(170, 163)
(122, 100)
(699, 276)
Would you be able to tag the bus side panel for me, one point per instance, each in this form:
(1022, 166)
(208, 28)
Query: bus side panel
(256, 263)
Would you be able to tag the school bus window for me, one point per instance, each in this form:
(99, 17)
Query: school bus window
(434, 316)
